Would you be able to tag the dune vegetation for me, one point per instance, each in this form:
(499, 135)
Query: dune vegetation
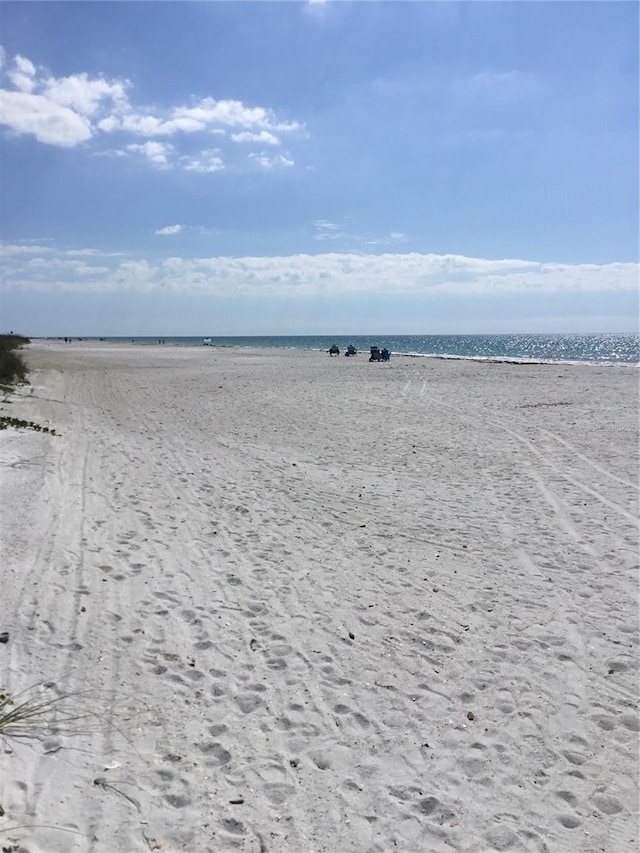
(13, 370)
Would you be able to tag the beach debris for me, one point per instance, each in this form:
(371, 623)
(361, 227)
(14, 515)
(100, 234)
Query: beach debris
(253, 644)
(237, 802)
(102, 783)
(470, 715)
(352, 636)
(4, 637)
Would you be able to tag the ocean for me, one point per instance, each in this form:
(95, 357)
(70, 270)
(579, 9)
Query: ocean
(601, 349)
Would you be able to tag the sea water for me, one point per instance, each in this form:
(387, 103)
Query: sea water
(582, 349)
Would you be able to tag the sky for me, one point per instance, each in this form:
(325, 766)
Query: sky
(247, 168)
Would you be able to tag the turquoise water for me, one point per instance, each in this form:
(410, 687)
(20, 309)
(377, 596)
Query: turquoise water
(583, 349)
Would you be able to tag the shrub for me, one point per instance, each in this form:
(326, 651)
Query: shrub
(9, 342)
(13, 370)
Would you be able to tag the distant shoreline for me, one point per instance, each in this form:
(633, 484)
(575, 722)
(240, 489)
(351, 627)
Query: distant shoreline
(558, 347)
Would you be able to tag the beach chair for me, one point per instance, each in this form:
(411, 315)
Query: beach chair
(375, 354)
(333, 350)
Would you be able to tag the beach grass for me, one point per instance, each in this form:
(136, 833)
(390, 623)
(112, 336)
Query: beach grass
(32, 714)
(13, 370)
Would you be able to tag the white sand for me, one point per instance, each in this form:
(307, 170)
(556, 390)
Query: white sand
(286, 580)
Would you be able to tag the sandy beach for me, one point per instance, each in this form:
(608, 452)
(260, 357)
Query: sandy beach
(303, 604)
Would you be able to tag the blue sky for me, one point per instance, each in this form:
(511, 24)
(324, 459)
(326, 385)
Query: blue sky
(319, 167)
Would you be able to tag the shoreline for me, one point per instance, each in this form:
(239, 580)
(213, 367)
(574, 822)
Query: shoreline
(488, 359)
(317, 605)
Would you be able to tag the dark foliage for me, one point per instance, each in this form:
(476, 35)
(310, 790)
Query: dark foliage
(9, 342)
(13, 370)
(18, 423)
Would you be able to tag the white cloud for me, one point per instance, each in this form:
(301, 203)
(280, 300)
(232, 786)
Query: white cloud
(91, 253)
(262, 160)
(156, 152)
(50, 123)
(23, 73)
(308, 275)
(229, 113)
(84, 95)
(138, 270)
(206, 162)
(140, 125)
(112, 152)
(9, 249)
(268, 162)
(56, 111)
(326, 230)
(264, 136)
(68, 111)
(207, 115)
(45, 267)
(169, 229)
(108, 124)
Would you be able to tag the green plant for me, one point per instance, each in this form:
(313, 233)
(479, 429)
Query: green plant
(13, 370)
(18, 423)
(12, 341)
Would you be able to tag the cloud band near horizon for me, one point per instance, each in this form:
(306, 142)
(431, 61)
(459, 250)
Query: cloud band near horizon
(32, 267)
